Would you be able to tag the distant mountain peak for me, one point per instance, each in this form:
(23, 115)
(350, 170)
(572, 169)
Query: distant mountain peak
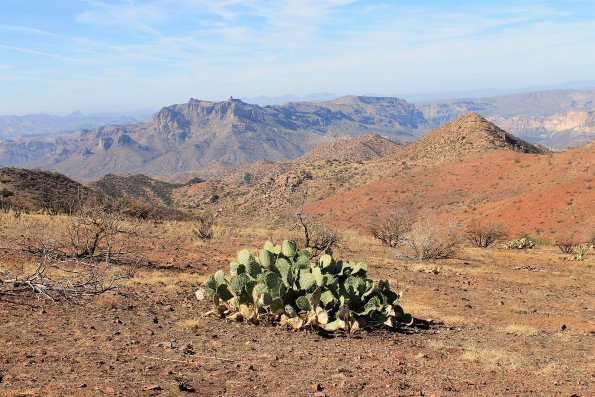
(478, 132)
(465, 135)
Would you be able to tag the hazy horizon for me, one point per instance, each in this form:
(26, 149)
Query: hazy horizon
(62, 56)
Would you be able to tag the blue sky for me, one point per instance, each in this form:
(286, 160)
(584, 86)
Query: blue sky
(58, 56)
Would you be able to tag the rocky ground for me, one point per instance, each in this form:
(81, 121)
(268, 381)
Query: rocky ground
(501, 323)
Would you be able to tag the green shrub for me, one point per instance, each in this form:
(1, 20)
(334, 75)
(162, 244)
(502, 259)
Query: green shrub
(283, 284)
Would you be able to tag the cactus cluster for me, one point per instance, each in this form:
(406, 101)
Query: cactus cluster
(288, 285)
(581, 252)
(522, 242)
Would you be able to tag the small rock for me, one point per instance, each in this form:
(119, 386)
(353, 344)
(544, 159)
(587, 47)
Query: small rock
(563, 327)
(153, 388)
(188, 349)
(186, 387)
(110, 390)
(82, 385)
(316, 387)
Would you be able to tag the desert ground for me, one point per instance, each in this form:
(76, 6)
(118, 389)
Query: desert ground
(491, 322)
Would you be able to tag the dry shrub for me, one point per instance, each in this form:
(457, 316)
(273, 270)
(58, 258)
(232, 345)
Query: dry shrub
(567, 242)
(431, 239)
(483, 235)
(316, 236)
(203, 227)
(139, 209)
(392, 230)
(63, 280)
(92, 229)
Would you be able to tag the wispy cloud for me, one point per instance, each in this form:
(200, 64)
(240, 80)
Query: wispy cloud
(162, 51)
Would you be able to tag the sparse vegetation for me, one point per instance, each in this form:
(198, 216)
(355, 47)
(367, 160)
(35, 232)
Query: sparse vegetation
(422, 239)
(55, 280)
(203, 227)
(483, 235)
(431, 239)
(581, 252)
(92, 228)
(523, 241)
(567, 243)
(5, 193)
(393, 229)
(316, 236)
(284, 284)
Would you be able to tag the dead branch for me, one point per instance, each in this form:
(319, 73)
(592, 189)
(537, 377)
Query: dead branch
(53, 282)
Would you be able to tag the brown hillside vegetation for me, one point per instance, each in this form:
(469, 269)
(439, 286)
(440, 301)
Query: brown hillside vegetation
(467, 169)
(51, 192)
(268, 182)
(465, 135)
(539, 194)
(135, 186)
(363, 148)
(470, 169)
(36, 189)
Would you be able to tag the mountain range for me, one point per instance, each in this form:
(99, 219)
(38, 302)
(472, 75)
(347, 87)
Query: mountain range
(35, 125)
(465, 170)
(199, 135)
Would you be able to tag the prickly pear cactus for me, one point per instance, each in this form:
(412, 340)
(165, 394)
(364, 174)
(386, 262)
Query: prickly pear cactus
(522, 242)
(286, 285)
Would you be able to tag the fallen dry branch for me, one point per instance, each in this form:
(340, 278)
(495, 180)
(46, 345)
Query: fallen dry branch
(63, 280)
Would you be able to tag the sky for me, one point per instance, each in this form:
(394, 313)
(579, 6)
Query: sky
(58, 56)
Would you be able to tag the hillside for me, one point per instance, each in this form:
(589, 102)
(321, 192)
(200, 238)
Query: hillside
(467, 169)
(33, 190)
(135, 186)
(363, 148)
(465, 135)
(539, 194)
(221, 137)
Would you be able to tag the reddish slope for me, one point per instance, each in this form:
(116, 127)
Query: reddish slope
(528, 193)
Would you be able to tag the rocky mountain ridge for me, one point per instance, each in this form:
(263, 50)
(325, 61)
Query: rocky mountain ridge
(200, 134)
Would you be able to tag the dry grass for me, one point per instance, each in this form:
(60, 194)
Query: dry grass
(426, 312)
(189, 323)
(519, 329)
(494, 358)
(156, 277)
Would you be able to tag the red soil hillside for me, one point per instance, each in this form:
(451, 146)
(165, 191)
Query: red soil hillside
(543, 194)
(470, 169)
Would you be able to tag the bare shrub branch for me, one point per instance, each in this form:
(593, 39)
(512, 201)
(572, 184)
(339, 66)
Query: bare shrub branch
(392, 230)
(92, 228)
(483, 235)
(316, 236)
(203, 227)
(65, 280)
(567, 242)
(431, 239)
